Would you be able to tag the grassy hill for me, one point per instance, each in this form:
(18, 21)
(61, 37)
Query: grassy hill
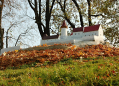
(95, 65)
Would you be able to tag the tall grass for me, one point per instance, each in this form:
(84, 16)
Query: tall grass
(68, 72)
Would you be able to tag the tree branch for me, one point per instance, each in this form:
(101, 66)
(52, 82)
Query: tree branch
(30, 17)
(58, 16)
(64, 5)
(54, 31)
(51, 8)
(43, 25)
(79, 10)
(21, 35)
(63, 10)
(29, 1)
(98, 15)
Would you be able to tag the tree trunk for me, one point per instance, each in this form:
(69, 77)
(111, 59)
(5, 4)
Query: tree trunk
(7, 40)
(40, 30)
(80, 14)
(1, 31)
(89, 13)
(47, 18)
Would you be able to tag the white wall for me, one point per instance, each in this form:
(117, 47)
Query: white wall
(48, 41)
(99, 39)
(88, 38)
(81, 36)
(92, 33)
(77, 34)
(100, 33)
(63, 32)
(9, 49)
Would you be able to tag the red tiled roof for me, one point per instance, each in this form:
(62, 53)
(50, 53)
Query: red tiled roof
(45, 37)
(78, 29)
(91, 28)
(64, 25)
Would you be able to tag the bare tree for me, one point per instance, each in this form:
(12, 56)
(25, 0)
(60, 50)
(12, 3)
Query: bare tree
(37, 8)
(20, 35)
(10, 5)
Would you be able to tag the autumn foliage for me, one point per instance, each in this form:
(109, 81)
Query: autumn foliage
(16, 58)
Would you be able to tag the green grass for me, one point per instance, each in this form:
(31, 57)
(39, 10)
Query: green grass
(68, 72)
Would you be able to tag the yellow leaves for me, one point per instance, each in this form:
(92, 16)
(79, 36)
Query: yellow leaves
(42, 60)
(73, 56)
(55, 55)
(80, 54)
(4, 53)
(14, 78)
(29, 77)
(110, 64)
(39, 78)
(16, 51)
(47, 85)
(73, 47)
(44, 45)
(97, 77)
(99, 67)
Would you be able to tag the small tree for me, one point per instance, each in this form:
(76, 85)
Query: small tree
(38, 9)
(3, 3)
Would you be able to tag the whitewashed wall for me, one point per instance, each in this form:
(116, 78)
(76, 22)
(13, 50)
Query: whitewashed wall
(99, 39)
(9, 49)
(63, 32)
(88, 38)
(80, 36)
(57, 41)
(48, 41)
(77, 34)
(92, 33)
(100, 33)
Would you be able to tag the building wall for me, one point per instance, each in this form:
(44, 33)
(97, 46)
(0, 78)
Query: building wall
(77, 34)
(88, 38)
(52, 41)
(63, 32)
(81, 36)
(100, 33)
(92, 33)
(9, 49)
(99, 39)
(48, 41)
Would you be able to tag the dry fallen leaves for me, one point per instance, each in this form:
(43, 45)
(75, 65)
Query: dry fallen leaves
(16, 58)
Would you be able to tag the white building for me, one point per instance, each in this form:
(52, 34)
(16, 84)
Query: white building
(91, 33)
